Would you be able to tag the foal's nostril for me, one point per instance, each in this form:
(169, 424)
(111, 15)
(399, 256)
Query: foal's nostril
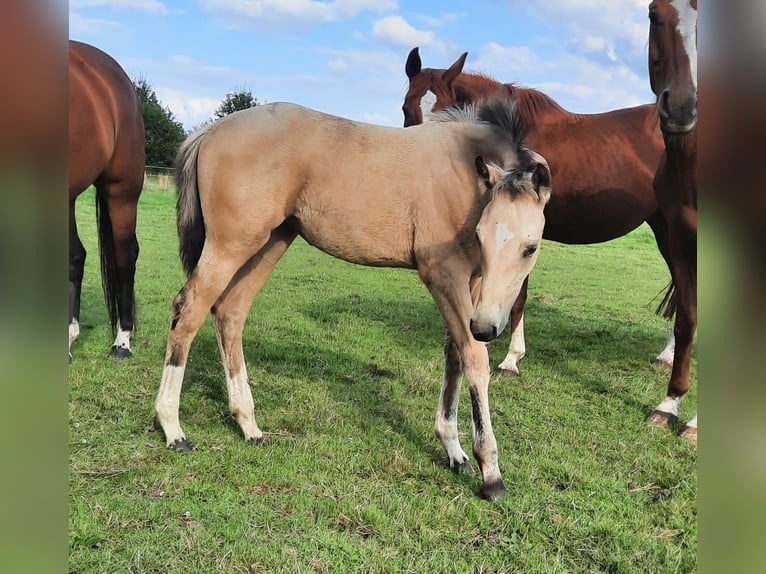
(662, 104)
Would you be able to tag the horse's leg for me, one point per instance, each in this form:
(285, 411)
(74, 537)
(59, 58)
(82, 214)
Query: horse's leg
(517, 349)
(76, 271)
(685, 277)
(213, 273)
(229, 315)
(659, 227)
(121, 201)
(456, 306)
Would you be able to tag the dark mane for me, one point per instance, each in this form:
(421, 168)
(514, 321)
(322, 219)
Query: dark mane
(529, 101)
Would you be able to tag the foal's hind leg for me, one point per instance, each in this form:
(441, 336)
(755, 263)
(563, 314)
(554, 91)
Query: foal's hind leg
(517, 349)
(229, 315)
(190, 307)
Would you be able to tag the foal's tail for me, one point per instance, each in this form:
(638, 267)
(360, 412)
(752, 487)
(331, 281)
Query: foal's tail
(667, 307)
(190, 222)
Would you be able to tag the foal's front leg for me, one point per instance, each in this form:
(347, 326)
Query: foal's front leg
(466, 354)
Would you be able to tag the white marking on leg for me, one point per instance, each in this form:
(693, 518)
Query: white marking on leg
(692, 423)
(687, 27)
(427, 103)
(241, 404)
(516, 350)
(167, 403)
(122, 340)
(74, 332)
(667, 354)
(670, 405)
(446, 427)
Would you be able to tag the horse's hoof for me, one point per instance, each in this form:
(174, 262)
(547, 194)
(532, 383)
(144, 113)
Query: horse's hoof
(256, 440)
(181, 445)
(510, 373)
(120, 353)
(493, 491)
(661, 419)
(70, 358)
(690, 434)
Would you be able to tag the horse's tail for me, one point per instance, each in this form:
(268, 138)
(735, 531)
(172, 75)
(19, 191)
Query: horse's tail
(190, 221)
(667, 307)
(111, 280)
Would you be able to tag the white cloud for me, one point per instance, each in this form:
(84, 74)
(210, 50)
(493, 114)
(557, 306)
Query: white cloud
(504, 60)
(268, 14)
(80, 26)
(397, 32)
(616, 29)
(148, 6)
(190, 110)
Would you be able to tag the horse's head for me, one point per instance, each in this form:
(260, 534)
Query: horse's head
(673, 63)
(429, 90)
(509, 232)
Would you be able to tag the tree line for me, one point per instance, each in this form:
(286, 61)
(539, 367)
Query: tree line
(164, 133)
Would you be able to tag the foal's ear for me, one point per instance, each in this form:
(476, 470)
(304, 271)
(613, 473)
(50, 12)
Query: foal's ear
(413, 65)
(541, 180)
(488, 173)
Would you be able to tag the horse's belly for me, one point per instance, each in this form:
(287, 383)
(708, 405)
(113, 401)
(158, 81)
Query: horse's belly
(364, 245)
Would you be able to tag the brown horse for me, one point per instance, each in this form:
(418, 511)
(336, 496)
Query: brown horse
(610, 198)
(106, 149)
(673, 77)
(459, 199)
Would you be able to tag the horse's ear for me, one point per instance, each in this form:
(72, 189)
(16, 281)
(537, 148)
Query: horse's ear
(455, 69)
(488, 173)
(541, 180)
(413, 65)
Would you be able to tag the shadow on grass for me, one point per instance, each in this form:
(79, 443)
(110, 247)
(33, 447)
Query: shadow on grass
(608, 343)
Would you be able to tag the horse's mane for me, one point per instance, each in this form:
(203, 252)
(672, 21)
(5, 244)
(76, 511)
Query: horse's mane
(501, 113)
(529, 101)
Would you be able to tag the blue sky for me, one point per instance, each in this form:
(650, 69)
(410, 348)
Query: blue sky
(346, 57)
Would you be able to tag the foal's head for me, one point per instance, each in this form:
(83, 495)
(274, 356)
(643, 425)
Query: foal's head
(673, 63)
(509, 232)
(430, 90)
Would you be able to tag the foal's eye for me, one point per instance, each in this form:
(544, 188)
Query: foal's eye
(530, 250)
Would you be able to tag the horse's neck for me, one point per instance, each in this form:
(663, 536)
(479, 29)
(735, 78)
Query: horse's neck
(470, 88)
(537, 106)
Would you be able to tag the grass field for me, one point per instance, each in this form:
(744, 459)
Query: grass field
(345, 364)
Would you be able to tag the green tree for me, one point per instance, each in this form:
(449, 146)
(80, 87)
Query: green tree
(164, 133)
(235, 101)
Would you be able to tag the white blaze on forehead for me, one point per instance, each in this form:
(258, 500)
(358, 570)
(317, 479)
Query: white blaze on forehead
(427, 103)
(502, 235)
(687, 27)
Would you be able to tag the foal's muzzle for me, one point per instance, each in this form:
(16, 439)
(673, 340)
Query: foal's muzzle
(484, 333)
(677, 117)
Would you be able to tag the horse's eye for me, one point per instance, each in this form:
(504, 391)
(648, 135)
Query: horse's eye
(530, 250)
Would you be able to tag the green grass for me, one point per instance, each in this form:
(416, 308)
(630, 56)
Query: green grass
(351, 476)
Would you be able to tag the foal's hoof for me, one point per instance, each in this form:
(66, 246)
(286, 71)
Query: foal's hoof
(181, 445)
(462, 467)
(510, 373)
(661, 419)
(690, 434)
(256, 440)
(493, 491)
(120, 353)
(661, 363)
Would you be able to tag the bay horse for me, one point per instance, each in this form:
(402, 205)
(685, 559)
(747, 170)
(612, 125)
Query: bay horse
(107, 150)
(460, 200)
(609, 199)
(673, 79)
